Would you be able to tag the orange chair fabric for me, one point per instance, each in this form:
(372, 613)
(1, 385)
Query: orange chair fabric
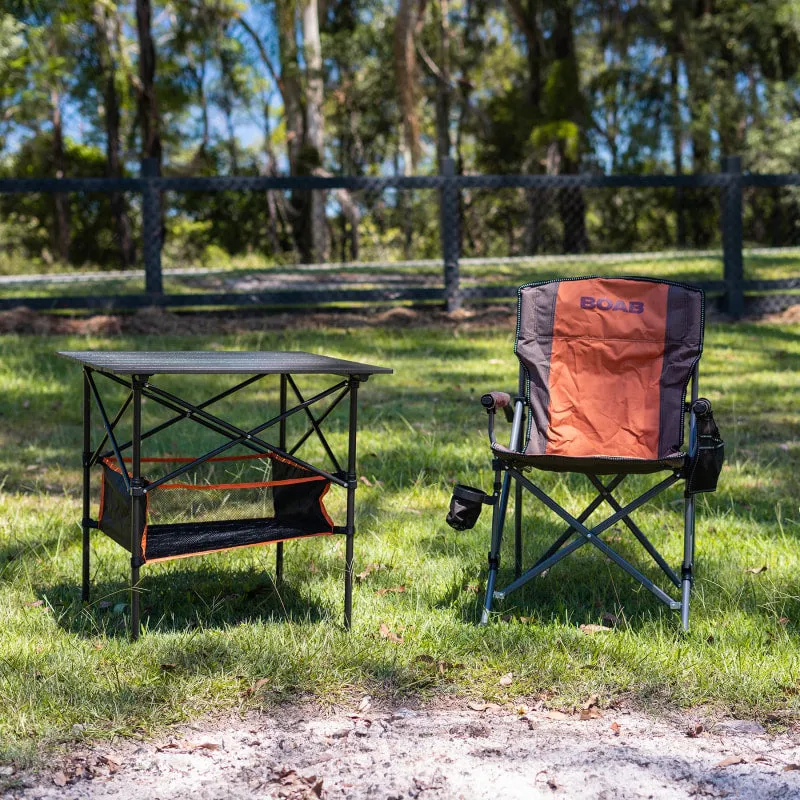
(607, 362)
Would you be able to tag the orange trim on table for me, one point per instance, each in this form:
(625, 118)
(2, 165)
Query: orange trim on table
(236, 547)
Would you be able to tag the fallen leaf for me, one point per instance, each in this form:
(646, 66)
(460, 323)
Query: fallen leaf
(476, 706)
(35, 603)
(506, 680)
(369, 569)
(791, 767)
(589, 630)
(60, 779)
(390, 635)
(591, 702)
(365, 703)
(251, 690)
(731, 761)
(112, 764)
(522, 710)
(556, 715)
(202, 746)
(694, 731)
(168, 667)
(590, 713)
(615, 728)
(757, 570)
(390, 590)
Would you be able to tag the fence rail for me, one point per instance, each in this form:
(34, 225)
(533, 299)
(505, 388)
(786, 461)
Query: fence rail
(458, 196)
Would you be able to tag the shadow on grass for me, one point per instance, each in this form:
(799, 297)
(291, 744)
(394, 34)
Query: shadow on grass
(182, 601)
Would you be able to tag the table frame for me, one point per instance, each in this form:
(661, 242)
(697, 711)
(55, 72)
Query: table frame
(141, 386)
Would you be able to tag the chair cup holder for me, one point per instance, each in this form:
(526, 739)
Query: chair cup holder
(465, 507)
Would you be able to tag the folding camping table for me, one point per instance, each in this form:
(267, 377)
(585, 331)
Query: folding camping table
(130, 491)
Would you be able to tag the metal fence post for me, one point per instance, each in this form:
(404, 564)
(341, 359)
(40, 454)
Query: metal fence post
(449, 233)
(151, 227)
(733, 264)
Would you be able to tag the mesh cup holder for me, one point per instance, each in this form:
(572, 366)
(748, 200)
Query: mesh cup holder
(465, 507)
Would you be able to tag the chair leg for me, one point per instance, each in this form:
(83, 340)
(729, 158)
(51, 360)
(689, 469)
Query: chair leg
(687, 570)
(498, 521)
(517, 529)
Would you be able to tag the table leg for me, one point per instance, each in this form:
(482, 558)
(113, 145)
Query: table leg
(138, 501)
(87, 454)
(351, 504)
(282, 445)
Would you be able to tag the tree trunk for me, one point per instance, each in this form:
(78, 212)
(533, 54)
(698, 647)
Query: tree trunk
(314, 129)
(571, 205)
(61, 229)
(105, 36)
(677, 142)
(148, 102)
(527, 19)
(405, 69)
(291, 90)
(443, 89)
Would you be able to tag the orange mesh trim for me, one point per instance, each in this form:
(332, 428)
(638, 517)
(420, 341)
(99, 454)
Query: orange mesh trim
(259, 485)
(237, 547)
(144, 531)
(322, 505)
(605, 370)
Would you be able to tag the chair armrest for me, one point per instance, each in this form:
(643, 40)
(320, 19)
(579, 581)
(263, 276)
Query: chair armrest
(492, 401)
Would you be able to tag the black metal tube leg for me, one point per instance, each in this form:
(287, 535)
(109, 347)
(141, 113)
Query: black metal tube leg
(517, 529)
(351, 504)
(137, 503)
(498, 521)
(687, 570)
(282, 445)
(87, 455)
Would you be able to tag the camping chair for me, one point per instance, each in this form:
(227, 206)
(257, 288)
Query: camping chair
(605, 364)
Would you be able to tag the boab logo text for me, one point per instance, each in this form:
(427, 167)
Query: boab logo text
(604, 304)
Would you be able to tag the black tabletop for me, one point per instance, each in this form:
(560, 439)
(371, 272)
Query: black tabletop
(223, 362)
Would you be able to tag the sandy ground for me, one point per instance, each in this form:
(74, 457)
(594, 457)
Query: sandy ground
(300, 752)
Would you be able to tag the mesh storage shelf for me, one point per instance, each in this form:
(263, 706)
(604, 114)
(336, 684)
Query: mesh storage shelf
(221, 503)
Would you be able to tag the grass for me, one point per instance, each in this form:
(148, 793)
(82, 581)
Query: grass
(219, 635)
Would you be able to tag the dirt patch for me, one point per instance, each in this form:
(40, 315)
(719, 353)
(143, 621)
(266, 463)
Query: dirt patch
(157, 321)
(301, 752)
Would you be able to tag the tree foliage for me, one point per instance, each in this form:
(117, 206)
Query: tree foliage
(360, 87)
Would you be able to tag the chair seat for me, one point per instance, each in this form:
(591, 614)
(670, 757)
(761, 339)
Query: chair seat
(594, 465)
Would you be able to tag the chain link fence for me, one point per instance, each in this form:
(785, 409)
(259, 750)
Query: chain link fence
(276, 241)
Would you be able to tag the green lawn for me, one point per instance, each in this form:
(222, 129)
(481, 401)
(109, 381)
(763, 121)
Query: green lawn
(218, 635)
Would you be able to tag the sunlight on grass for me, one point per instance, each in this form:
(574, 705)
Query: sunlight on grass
(215, 625)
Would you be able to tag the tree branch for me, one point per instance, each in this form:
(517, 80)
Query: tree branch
(518, 12)
(261, 50)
